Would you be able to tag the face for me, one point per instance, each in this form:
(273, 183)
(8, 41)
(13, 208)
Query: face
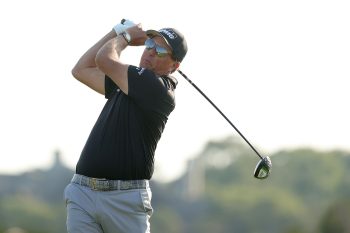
(161, 64)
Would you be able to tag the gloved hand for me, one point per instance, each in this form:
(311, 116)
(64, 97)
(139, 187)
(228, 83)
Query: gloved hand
(123, 25)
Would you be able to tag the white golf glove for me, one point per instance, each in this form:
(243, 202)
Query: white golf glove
(123, 25)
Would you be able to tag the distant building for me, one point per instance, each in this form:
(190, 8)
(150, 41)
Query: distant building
(42, 184)
(195, 183)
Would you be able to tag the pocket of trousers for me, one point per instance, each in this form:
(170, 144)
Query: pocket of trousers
(69, 192)
(65, 194)
(146, 197)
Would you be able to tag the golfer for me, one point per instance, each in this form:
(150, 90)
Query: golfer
(110, 191)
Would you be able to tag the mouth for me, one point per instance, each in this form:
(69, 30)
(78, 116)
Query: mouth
(147, 63)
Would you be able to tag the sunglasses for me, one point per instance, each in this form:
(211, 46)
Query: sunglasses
(160, 51)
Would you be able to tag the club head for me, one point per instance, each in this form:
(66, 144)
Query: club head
(263, 168)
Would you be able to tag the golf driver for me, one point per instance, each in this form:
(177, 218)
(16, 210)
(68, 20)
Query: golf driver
(263, 168)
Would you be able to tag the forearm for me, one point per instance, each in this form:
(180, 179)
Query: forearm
(88, 59)
(111, 50)
(108, 62)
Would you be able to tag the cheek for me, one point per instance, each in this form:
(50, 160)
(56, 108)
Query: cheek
(146, 61)
(144, 55)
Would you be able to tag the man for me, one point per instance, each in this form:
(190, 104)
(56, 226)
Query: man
(110, 191)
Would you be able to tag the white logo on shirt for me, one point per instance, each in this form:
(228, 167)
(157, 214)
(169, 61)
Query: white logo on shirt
(140, 70)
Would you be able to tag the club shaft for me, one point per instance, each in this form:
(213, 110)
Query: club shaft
(222, 114)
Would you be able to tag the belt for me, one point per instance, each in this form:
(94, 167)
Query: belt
(101, 184)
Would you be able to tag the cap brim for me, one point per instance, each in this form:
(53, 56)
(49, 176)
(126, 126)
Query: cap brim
(153, 33)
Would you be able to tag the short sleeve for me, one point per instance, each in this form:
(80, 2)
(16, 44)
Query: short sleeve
(110, 87)
(149, 91)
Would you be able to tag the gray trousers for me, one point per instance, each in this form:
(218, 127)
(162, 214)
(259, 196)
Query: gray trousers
(117, 211)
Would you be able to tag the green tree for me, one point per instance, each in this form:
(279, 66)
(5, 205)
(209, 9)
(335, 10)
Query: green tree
(336, 218)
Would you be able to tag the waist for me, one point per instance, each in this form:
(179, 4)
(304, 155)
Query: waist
(101, 184)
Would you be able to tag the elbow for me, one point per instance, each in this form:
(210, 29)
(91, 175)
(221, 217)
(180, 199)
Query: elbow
(75, 72)
(78, 72)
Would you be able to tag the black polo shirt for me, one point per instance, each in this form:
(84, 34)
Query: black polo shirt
(123, 141)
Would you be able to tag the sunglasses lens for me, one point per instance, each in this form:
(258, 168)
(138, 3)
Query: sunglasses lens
(161, 52)
(150, 44)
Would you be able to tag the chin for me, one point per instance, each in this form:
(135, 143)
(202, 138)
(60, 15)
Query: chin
(145, 65)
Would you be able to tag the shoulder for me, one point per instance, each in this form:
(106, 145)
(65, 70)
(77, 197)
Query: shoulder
(144, 78)
(144, 73)
(140, 72)
(170, 82)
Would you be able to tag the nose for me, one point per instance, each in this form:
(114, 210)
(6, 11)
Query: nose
(152, 52)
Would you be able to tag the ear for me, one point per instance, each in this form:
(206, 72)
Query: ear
(176, 65)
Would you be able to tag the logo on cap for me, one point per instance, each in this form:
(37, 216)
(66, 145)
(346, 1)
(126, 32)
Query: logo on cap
(172, 35)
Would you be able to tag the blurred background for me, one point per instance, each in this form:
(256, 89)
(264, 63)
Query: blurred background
(308, 192)
(278, 69)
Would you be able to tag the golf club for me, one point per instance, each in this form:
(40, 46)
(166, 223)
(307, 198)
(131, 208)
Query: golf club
(263, 168)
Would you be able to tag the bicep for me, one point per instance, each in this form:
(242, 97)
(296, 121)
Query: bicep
(117, 71)
(92, 77)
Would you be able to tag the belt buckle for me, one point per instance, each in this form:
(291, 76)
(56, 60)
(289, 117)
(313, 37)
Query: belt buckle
(93, 184)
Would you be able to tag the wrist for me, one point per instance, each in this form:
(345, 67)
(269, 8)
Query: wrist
(126, 37)
(119, 29)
